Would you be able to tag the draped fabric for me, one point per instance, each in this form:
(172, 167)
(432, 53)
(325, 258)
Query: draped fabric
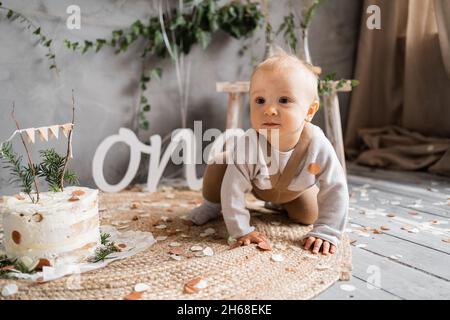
(402, 105)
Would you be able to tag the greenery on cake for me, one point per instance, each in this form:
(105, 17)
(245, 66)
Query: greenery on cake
(9, 267)
(51, 169)
(107, 247)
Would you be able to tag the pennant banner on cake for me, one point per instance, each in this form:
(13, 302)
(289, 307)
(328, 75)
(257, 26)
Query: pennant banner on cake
(30, 135)
(66, 128)
(53, 131)
(43, 133)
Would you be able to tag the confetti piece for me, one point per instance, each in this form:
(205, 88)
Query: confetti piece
(16, 236)
(314, 168)
(277, 257)
(73, 199)
(347, 287)
(134, 296)
(10, 289)
(208, 251)
(210, 231)
(361, 245)
(161, 226)
(196, 248)
(174, 244)
(195, 285)
(175, 257)
(141, 287)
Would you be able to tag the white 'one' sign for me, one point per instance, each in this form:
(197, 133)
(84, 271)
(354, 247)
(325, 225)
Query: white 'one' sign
(156, 163)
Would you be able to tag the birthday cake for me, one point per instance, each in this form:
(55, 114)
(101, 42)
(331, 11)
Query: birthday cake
(62, 224)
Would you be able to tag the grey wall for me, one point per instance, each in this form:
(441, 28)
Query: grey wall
(105, 84)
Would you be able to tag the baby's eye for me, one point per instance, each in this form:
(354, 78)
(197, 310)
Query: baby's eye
(284, 100)
(260, 100)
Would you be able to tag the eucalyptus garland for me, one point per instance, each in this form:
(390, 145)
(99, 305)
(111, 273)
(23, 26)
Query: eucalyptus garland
(188, 28)
(43, 40)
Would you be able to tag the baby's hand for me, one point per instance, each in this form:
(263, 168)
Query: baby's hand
(316, 244)
(252, 237)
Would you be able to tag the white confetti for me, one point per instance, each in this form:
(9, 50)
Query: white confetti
(275, 223)
(202, 284)
(210, 231)
(174, 244)
(141, 287)
(277, 258)
(196, 248)
(361, 245)
(347, 287)
(208, 251)
(175, 257)
(10, 289)
(161, 226)
(231, 240)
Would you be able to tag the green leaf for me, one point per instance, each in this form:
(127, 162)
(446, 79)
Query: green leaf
(37, 31)
(48, 43)
(203, 37)
(9, 14)
(87, 45)
(146, 108)
(156, 73)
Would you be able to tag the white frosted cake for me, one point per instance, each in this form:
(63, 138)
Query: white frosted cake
(61, 225)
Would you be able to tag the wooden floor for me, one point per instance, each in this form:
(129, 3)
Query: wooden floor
(410, 259)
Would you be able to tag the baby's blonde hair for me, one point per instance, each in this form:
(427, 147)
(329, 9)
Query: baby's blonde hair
(280, 60)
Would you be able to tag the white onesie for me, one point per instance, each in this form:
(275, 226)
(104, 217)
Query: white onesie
(333, 198)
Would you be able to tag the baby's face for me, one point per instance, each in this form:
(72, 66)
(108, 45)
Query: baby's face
(281, 100)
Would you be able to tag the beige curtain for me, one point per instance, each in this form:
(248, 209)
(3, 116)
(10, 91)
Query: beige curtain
(404, 91)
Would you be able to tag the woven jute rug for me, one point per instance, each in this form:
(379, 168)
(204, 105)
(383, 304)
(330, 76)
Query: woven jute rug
(241, 273)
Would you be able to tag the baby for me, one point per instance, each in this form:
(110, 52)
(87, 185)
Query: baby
(296, 168)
